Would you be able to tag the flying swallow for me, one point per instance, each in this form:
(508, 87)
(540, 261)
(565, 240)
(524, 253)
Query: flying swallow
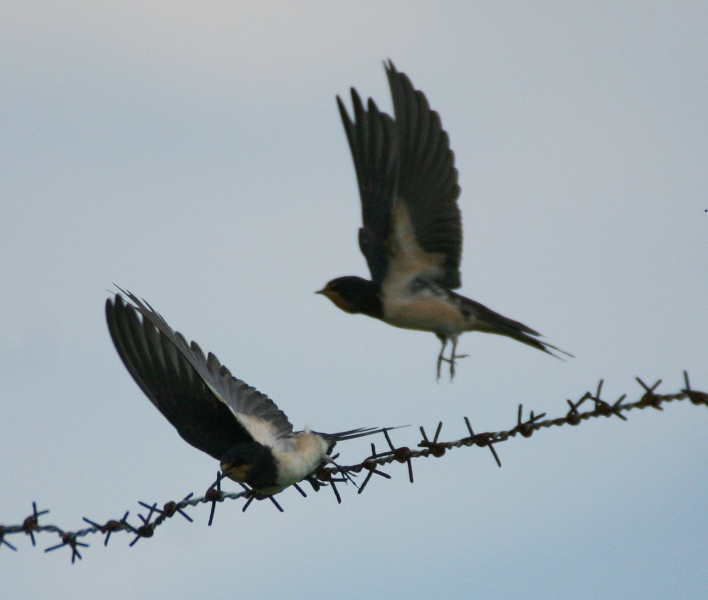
(412, 230)
(211, 409)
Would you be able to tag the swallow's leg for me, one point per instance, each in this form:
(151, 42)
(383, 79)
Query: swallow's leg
(443, 339)
(453, 355)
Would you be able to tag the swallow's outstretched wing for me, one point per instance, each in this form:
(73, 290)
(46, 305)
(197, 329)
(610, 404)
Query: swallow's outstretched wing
(372, 140)
(211, 409)
(408, 187)
(427, 186)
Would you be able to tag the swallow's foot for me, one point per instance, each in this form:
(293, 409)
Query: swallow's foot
(451, 361)
(453, 355)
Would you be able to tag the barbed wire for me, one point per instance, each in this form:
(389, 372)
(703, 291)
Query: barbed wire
(330, 474)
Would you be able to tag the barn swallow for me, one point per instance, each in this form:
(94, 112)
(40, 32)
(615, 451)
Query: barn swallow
(211, 409)
(412, 230)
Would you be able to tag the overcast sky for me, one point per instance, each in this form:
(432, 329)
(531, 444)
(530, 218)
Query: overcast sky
(192, 153)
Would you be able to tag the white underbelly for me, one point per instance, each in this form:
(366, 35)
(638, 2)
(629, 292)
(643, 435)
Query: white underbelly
(300, 460)
(430, 313)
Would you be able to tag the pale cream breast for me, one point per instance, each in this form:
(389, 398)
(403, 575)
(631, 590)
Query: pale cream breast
(431, 313)
(307, 453)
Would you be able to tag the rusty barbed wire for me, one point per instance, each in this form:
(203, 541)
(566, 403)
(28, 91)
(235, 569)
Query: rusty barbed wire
(331, 474)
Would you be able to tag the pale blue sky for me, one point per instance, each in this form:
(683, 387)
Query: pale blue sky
(193, 153)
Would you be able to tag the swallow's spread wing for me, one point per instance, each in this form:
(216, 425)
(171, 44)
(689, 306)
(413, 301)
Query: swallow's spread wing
(408, 186)
(372, 140)
(211, 409)
(427, 188)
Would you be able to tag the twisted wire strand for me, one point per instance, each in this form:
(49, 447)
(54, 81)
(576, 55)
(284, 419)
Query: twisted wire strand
(328, 475)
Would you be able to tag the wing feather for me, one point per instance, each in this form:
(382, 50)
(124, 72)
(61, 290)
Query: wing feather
(427, 179)
(211, 409)
(373, 144)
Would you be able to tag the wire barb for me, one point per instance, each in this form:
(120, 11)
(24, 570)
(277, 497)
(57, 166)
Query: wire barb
(31, 523)
(482, 440)
(111, 526)
(214, 495)
(4, 542)
(68, 538)
(695, 397)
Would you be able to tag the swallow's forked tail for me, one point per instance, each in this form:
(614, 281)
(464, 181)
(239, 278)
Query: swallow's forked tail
(491, 322)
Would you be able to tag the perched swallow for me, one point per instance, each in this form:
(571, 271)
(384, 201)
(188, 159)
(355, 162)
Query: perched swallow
(412, 231)
(213, 411)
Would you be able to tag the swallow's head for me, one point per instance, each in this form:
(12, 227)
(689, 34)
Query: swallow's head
(354, 295)
(250, 463)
